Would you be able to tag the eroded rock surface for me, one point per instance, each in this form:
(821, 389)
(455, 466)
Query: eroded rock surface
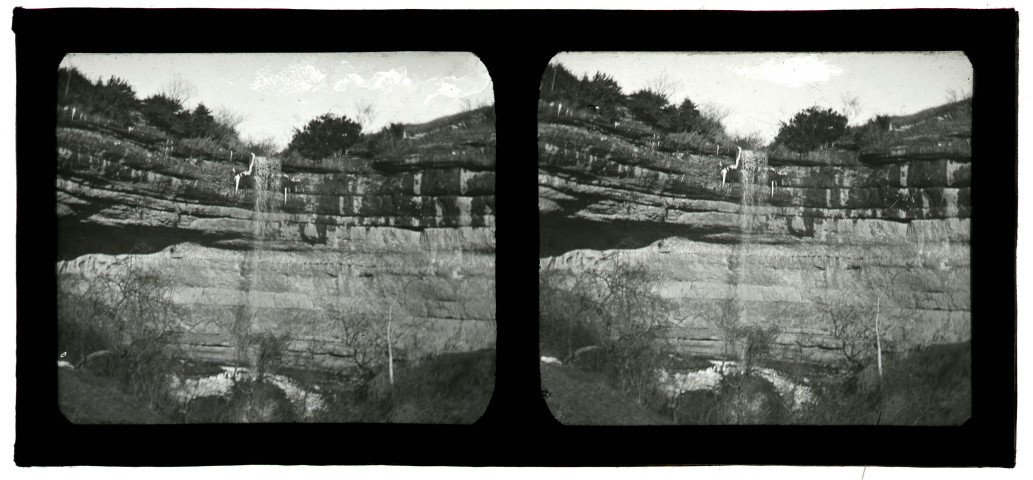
(411, 236)
(887, 230)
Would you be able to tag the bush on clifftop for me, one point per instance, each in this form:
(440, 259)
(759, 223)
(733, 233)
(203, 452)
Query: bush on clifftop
(325, 136)
(811, 129)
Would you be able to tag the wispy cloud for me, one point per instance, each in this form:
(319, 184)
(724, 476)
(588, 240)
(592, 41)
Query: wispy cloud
(379, 81)
(792, 72)
(453, 87)
(292, 79)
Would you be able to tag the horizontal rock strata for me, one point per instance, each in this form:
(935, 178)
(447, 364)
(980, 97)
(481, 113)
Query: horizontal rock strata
(351, 240)
(884, 231)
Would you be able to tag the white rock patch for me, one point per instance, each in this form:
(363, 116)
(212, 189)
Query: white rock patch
(222, 383)
(551, 360)
(708, 379)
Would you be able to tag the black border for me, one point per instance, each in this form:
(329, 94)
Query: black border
(515, 46)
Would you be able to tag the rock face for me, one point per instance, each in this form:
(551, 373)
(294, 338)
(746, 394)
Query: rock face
(787, 236)
(410, 237)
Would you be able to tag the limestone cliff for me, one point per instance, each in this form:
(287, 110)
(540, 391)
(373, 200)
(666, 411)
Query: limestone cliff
(886, 228)
(410, 234)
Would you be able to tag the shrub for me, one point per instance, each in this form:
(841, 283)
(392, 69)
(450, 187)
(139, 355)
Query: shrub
(147, 367)
(745, 398)
(558, 83)
(687, 118)
(872, 134)
(388, 142)
(812, 128)
(266, 146)
(929, 386)
(122, 325)
(564, 317)
(165, 113)
(862, 323)
(602, 91)
(72, 86)
(200, 147)
(115, 100)
(651, 108)
(749, 141)
(325, 136)
(365, 334)
(269, 349)
(206, 409)
(616, 305)
(447, 388)
(258, 401)
(748, 344)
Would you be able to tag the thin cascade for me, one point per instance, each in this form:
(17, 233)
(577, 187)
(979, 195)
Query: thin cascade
(266, 171)
(751, 169)
(263, 171)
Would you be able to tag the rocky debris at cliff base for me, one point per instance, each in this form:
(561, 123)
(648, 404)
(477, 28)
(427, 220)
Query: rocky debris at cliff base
(221, 385)
(710, 378)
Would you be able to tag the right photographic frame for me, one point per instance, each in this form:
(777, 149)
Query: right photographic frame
(744, 238)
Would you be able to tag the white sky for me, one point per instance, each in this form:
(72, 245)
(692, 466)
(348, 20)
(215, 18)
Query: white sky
(277, 92)
(762, 89)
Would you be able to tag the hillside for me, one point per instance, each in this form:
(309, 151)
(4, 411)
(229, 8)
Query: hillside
(576, 397)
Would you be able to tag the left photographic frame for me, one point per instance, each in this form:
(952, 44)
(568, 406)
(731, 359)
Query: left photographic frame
(275, 237)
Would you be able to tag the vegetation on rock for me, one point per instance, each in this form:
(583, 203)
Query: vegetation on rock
(812, 128)
(324, 136)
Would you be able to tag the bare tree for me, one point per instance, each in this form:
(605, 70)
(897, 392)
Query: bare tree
(377, 335)
(714, 111)
(663, 85)
(857, 323)
(851, 106)
(750, 140)
(262, 146)
(131, 304)
(614, 307)
(955, 95)
(229, 117)
(363, 333)
(124, 322)
(365, 113)
(179, 89)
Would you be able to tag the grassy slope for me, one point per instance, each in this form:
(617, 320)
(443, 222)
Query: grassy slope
(637, 133)
(451, 388)
(582, 398)
(945, 129)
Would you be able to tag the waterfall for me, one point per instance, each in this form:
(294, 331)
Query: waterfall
(753, 170)
(266, 176)
(266, 172)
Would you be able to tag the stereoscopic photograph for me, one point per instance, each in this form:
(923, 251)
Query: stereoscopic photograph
(755, 238)
(279, 238)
